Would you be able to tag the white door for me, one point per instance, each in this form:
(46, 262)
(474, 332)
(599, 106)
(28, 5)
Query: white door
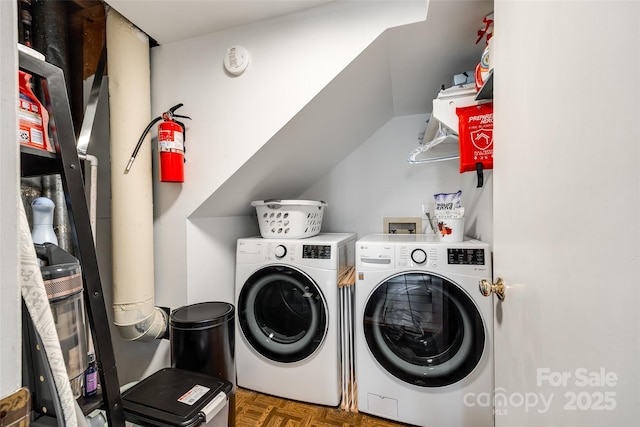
(566, 213)
(10, 324)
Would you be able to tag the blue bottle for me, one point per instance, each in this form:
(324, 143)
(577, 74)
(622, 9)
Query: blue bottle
(91, 377)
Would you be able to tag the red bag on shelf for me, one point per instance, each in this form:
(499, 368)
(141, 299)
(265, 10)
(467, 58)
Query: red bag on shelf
(475, 131)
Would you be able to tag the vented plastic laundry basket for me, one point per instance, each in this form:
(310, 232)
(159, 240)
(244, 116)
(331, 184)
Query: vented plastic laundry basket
(291, 219)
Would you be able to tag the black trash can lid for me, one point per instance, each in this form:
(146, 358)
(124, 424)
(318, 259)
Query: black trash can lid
(201, 315)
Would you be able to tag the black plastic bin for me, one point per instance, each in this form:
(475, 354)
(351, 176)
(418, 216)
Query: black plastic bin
(178, 398)
(203, 340)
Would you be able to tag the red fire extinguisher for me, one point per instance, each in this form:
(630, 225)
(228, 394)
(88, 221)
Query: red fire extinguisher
(171, 138)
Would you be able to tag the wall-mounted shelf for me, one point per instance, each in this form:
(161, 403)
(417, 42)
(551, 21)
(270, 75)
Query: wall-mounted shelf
(444, 106)
(486, 91)
(444, 145)
(35, 162)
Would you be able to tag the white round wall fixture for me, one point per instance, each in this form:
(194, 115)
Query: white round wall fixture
(236, 60)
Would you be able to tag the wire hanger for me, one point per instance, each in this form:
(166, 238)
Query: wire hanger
(443, 146)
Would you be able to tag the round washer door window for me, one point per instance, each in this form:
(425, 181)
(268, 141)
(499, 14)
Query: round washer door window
(424, 329)
(282, 314)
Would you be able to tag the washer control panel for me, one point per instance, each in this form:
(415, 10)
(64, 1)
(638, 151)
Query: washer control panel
(316, 251)
(394, 252)
(417, 256)
(328, 251)
(280, 251)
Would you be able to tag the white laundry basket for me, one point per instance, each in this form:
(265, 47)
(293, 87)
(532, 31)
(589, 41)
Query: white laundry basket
(291, 219)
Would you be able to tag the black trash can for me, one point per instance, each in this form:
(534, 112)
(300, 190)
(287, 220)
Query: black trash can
(203, 340)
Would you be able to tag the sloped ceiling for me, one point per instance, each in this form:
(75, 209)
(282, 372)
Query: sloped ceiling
(168, 21)
(332, 125)
(398, 74)
(412, 50)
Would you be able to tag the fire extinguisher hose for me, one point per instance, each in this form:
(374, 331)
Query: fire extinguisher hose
(144, 134)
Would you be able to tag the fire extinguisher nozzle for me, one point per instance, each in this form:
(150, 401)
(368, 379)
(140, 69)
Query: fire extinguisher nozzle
(126, 170)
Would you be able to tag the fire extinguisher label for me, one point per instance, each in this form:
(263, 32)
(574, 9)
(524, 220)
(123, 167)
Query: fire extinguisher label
(170, 141)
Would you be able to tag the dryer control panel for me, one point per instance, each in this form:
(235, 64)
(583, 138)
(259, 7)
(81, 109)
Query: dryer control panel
(326, 251)
(466, 256)
(387, 252)
(316, 251)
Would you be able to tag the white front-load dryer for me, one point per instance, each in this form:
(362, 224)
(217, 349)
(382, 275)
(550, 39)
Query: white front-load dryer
(424, 333)
(288, 315)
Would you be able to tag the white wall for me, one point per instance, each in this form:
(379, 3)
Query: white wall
(292, 59)
(211, 244)
(376, 181)
(10, 332)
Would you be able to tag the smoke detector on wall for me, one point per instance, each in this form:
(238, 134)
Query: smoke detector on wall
(236, 60)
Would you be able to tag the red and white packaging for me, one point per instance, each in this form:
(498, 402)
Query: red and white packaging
(33, 118)
(475, 131)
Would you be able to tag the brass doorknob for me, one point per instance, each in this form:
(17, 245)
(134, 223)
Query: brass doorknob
(498, 288)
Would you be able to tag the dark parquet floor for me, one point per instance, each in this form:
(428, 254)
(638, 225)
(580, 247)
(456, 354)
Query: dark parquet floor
(260, 410)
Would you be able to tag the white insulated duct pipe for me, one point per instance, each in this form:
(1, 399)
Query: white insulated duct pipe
(131, 194)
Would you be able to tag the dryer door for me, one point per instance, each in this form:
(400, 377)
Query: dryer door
(424, 329)
(282, 313)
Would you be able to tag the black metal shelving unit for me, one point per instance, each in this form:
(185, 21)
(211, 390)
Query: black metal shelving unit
(65, 162)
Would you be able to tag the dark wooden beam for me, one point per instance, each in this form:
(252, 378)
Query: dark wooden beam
(87, 36)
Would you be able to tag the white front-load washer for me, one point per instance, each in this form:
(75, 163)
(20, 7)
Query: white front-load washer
(424, 332)
(288, 315)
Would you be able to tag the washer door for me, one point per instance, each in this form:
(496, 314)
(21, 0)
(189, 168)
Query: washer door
(424, 329)
(282, 313)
